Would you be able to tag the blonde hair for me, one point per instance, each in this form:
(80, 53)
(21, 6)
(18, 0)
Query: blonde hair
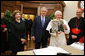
(15, 12)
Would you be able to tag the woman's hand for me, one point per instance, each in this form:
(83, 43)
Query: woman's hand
(23, 40)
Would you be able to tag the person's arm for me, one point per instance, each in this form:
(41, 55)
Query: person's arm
(34, 27)
(80, 34)
(13, 31)
(71, 25)
(49, 26)
(2, 28)
(24, 35)
(82, 30)
(6, 23)
(31, 23)
(30, 26)
(67, 28)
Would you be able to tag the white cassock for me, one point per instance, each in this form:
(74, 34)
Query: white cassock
(58, 39)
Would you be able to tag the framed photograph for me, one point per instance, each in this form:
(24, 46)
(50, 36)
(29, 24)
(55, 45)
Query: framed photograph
(57, 26)
(54, 26)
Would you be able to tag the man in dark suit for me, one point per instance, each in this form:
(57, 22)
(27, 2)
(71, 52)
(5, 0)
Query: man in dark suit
(39, 33)
(26, 24)
(30, 26)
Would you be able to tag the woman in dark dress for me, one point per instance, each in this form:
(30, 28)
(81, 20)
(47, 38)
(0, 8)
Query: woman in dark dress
(18, 36)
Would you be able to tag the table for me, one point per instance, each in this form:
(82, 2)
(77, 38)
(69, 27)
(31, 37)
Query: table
(70, 49)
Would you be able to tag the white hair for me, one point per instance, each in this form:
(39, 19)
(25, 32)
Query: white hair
(58, 12)
(44, 8)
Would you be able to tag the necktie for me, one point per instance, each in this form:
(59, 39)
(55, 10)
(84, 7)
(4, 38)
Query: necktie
(43, 21)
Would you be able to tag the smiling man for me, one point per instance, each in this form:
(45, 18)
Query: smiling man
(77, 27)
(39, 33)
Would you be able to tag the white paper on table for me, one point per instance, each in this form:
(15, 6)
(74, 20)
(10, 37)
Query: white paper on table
(50, 51)
(77, 46)
(43, 51)
(57, 50)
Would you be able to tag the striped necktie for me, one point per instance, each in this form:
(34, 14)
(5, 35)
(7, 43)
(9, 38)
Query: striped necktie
(43, 21)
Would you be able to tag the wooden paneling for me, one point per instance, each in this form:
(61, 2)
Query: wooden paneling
(9, 5)
(50, 11)
(30, 7)
(44, 1)
(10, 8)
(27, 10)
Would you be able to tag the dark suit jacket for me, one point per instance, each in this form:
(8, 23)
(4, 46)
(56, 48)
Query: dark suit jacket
(38, 31)
(28, 24)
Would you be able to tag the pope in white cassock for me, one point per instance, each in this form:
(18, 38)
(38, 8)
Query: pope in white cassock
(58, 28)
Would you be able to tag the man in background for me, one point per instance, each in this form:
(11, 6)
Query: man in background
(26, 24)
(4, 36)
(29, 21)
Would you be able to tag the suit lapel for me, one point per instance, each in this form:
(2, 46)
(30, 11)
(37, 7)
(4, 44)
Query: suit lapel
(45, 20)
(40, 21)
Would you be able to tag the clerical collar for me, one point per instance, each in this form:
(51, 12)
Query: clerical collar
(79, 18)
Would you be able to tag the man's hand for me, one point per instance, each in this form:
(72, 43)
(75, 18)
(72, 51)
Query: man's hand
(74, 36)
(23, 40)
(5, 29)
(33, 38)
(48, 40)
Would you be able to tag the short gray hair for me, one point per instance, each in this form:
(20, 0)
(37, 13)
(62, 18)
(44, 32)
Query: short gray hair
(57, 12)
(44, 8)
